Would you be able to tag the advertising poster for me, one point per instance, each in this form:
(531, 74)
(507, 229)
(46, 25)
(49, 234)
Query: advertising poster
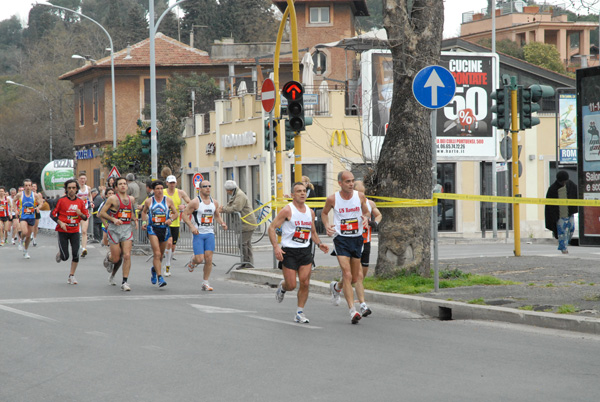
(567, 128)
(588, 157)
(54, 176)
(464, 129)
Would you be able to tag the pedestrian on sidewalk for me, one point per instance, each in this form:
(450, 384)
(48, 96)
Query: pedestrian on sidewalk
(297, 222)
(559, 218)
(239, 202)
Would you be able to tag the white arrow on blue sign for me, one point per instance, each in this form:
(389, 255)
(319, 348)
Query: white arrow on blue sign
(434, 87)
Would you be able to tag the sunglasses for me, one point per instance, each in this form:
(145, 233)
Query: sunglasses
(206, 186)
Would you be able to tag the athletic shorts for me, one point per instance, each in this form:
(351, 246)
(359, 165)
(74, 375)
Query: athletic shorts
(294, 258)
(174, 233)
(121, 233)
(30, 221)
(38, 215)
(348, 246)
(64, 239)
(366, 254)
(163, 234)
(4, 219)
(203, 242)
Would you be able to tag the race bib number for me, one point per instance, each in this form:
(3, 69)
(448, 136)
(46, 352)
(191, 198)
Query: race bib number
(124, 215)
(159, 219)
(301, 235)
(206, 220)
(349, 226)
(28, 211)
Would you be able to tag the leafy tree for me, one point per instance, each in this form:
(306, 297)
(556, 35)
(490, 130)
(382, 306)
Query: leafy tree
(375, 18)
(544, 55)
(505, 46)
(204, 13)
(414, 30)
(128, 155)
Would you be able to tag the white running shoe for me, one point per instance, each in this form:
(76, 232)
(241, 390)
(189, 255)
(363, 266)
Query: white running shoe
(190, 265)
(84, 253)
(279, 294)
(58, 259)
(206, 286)
(365, 310)
(72, 280)
(125, 287)
(26, 255)
(20, 246)
(301, 318)
(34, 242)
(111, 280)
(335, 294)
(108, 264)
(355, 316)
(168, 271)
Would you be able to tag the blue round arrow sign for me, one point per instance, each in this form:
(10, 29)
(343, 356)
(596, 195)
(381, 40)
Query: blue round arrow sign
(434, 87)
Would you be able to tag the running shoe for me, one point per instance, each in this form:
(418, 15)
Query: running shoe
(1, 243)
(190, 265)
(168, 271)
(365, 311)
(335, 294)
(20, 246)
(14, 240)
(125, 287)
(355, 316)
(83, 252)
(26, 255)
(108, 263)
(206, 286)
(153, 276)
(161, 282)
(58, 259)
(279, 294)
(34, 242)
(301, 318)
(72, 280)
(111, 280)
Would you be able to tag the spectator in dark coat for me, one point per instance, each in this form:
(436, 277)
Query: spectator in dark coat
(559, 218)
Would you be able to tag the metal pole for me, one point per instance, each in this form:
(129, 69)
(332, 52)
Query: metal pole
(515, 166)
(494, 174)
(434, 214)
(272, 157)
(506, 180)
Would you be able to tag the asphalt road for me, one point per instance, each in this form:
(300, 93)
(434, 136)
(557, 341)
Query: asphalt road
(93, 342)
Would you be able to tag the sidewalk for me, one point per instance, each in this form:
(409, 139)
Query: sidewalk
(547, 284)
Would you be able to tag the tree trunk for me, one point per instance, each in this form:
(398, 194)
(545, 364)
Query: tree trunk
(414, 31)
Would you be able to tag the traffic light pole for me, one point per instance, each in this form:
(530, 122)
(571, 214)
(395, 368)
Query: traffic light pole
(515, 164)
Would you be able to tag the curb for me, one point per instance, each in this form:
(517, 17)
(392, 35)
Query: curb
(446, 310)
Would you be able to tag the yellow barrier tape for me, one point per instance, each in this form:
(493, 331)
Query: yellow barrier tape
(517, 200)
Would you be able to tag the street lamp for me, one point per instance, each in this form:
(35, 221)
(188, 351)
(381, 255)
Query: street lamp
(153, 137)
(112, 63)
(86, 58)
(43, 95)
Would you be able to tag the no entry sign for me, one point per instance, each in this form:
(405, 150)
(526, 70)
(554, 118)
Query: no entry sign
(268, 95)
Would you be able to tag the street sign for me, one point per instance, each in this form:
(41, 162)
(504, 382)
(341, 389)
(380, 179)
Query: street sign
(197, 179)
(114, 172)
(434, 87)
(309, 99)
(268, 95)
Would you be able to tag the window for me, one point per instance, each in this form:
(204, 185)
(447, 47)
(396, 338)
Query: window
(96, 102)
(446, 177)
(319, 15)
(316, 174)
(504, 189)
(319, 63)
(161, 84)
(81, 119)
(255, 183)
(242, 179)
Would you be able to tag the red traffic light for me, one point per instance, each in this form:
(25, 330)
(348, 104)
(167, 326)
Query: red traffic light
(148, 131)
(292, 90)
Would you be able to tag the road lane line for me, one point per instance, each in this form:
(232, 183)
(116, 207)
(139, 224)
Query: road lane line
(295, 324)
(27, 314)
(132, 298)
(218, 310)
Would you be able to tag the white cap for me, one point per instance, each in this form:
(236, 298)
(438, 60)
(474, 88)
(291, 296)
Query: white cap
(171, 179)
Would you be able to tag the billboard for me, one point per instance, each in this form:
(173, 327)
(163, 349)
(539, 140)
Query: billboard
(566, 136)
(54, 176)
(588, 152)
(464, 130)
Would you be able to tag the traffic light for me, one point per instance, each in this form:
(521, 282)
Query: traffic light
(289, 136)
(501, 108)
(268, 135)
(293, 91)
(528, 99)
(146, 140)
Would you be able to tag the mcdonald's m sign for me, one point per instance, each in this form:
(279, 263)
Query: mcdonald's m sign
(342, 137)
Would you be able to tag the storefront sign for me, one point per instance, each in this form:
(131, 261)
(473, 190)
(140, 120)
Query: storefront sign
(85, 154)
(239, 140)
(210, 148)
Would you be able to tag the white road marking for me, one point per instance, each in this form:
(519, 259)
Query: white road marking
(218, 310)
(295, 324)
(132, 298)
(27, 314)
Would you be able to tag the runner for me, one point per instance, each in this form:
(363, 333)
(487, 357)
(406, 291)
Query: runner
(350, 216)
(13, 217)
(109, 192)
(176, 195)
(156, 211)
(118, 210)
(26, 200)
(84, 194)
(297, 226)
(39, 201)
(375, 218)
(203, 210)
(67, 214)
(6, 210)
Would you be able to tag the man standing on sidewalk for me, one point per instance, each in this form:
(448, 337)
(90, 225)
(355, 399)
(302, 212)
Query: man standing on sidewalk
(239, 202)
(200, 215)
(559, 218)
(67, 214)
(297, 222)
(350, 216)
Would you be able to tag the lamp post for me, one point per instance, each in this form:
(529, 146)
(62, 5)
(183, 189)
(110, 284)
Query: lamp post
(153, 137)
(43, 95)
(112, 63)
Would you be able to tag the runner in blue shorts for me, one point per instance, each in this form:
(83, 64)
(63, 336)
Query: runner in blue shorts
(156, 218)
(199, 215)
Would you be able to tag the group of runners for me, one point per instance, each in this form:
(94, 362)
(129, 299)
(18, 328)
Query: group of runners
(353, 219)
